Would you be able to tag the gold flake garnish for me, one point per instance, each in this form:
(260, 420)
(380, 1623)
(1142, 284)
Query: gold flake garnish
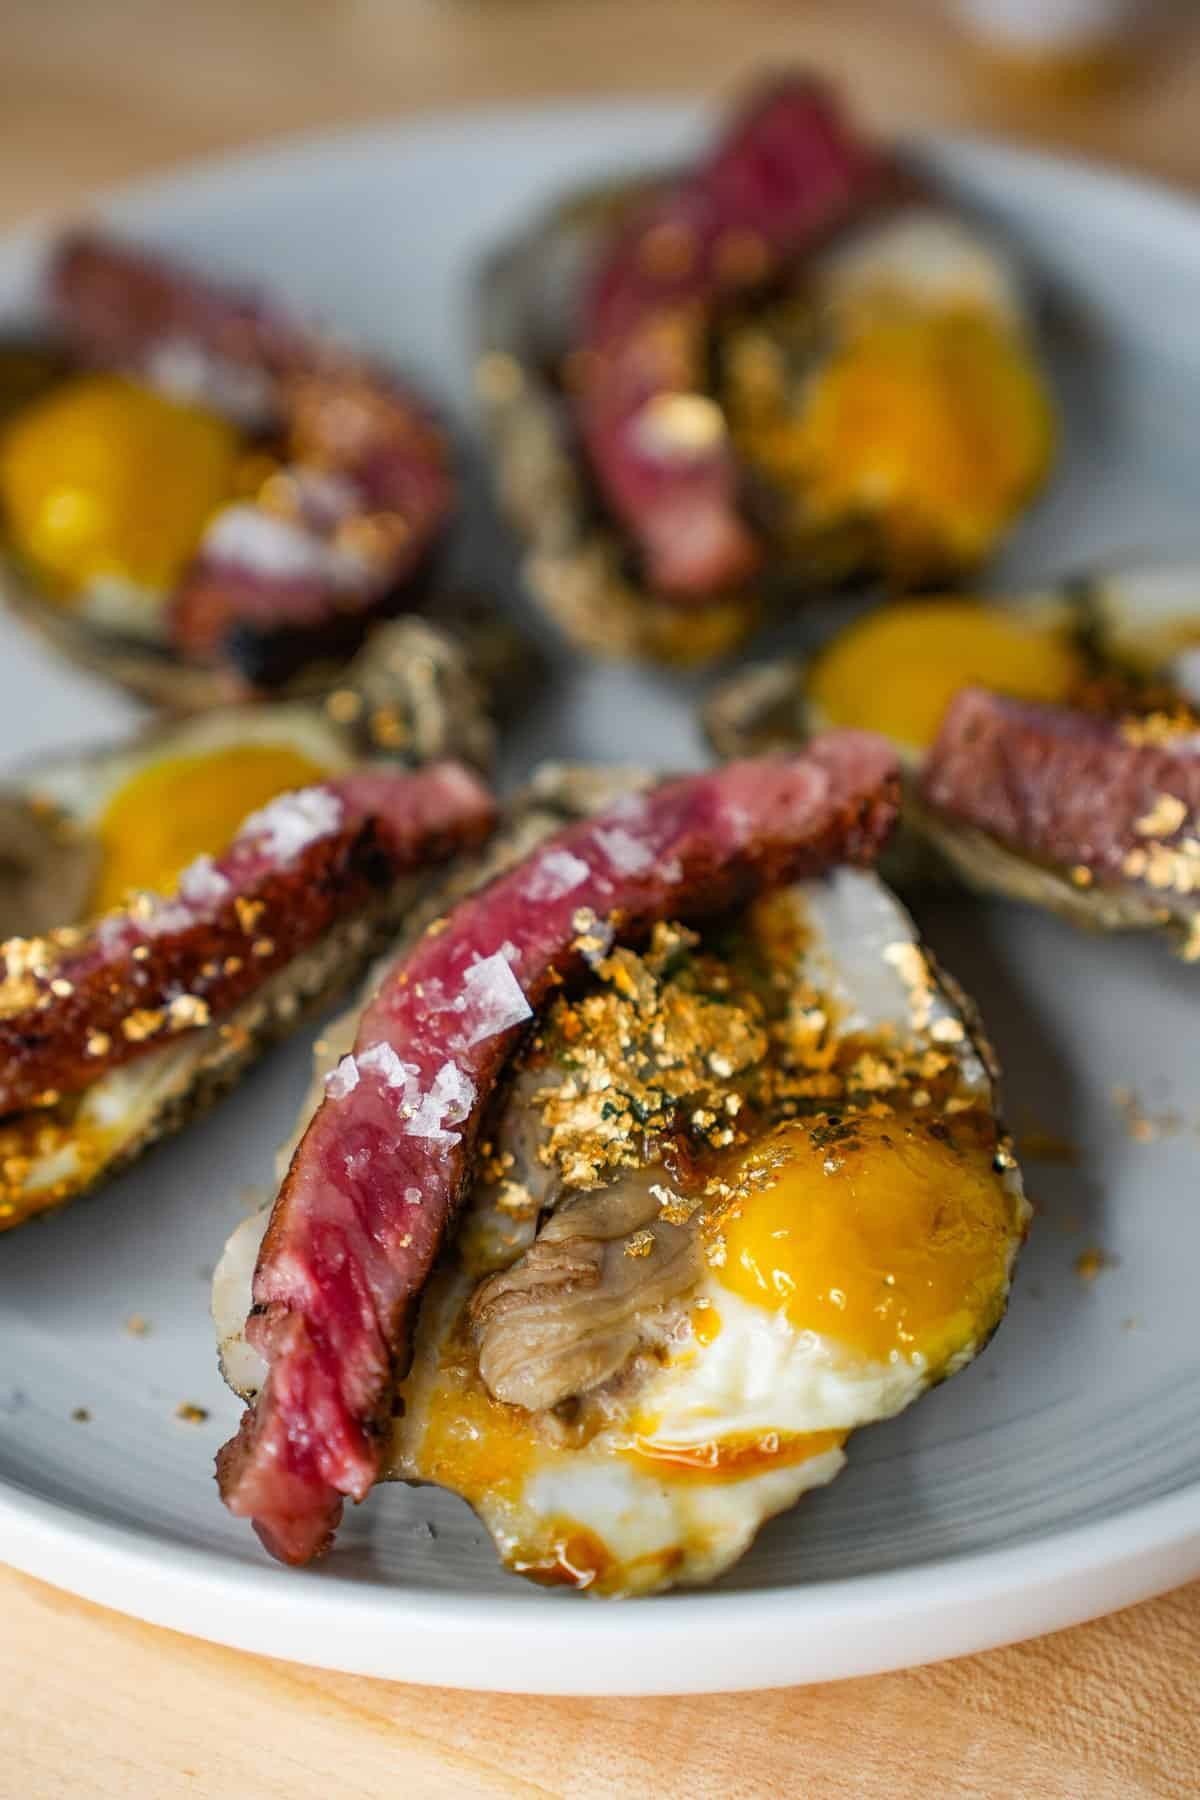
(641, 1243)
(137, 1325)
(1188, 946)
(388, 728)
(61, 988)
(681, 426)
(188, 1011)
(1158, 728)
(1092, 1261)
(1164, 818)
(190, 1413)
(264, 946)
(232, 965)
(143, 1023)
(1081, 875)
(98, 1043)
(248, 912)
(344, 706)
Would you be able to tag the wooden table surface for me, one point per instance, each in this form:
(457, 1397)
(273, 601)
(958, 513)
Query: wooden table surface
(91, 1703)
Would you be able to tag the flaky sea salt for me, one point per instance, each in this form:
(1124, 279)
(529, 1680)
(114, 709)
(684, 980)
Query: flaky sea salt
(202, 883)
(247, 537)
(448, 1102)
(380, 1059)
(624, 851)
(343, 1080)
(413, 1196)
(293, 821)
(186, 370)
(555, 874)
(492, 998)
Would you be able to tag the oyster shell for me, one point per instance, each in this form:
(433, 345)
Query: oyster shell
(296, 495)
(766, 358)
(78, 829)
(1132, 637)
(615, 1472)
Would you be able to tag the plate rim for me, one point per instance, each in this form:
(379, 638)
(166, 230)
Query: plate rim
(921, 1613)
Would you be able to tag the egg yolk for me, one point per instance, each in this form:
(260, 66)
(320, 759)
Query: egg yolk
(893, 1241)
(897, 670)
(103, 477)
(932, 425)
(188, 806)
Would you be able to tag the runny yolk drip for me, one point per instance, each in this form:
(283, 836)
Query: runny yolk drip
(898, 669)
(737, 1457)
(933, 425)
(187, 806)
(891, 1240)
(103, 477)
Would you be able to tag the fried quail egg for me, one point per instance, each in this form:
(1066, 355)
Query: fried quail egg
(76, 470)
(894, 412)
(895, 669)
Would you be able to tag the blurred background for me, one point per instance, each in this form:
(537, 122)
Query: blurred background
(97, 90)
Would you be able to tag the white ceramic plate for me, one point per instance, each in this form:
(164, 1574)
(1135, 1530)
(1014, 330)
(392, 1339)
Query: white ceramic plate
(1059, 1477)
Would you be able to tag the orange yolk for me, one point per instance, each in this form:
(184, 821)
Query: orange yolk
(893, 1243)
(107, 478)
(898, 669)
(933, 425)
(188, 806)
(736, 1457)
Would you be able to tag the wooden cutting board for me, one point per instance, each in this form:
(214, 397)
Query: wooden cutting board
(92, 1704)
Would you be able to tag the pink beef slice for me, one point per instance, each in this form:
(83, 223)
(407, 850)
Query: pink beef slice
(294, 871)
(379, 1172)
(788, 173)
(1067, 787)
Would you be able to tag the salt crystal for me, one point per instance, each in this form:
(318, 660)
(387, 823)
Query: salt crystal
(381, 1059)
(448, 1102)
(186, 370)
(413, 1196)
(624, 851)
(342, 1080)
(247, 537)
(168, 916)
(493, 999)
(555, 874)
(293, 821)
(202, 883)
(112, 933)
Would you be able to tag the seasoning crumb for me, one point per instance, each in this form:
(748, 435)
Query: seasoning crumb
(81, 1415)
(1092, 1262)
(190, 1413)
(137, 1325)
(1131, 1323)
